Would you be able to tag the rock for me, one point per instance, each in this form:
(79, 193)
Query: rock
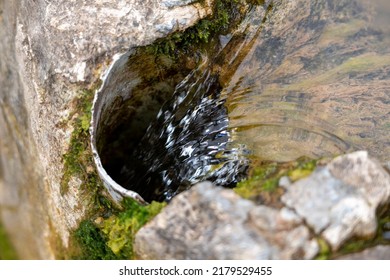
(116, 26)
(50, 52)
(215, 223)
(284, 230)
(336, 202)
(380, 252)
(365, 174)
(339, 201)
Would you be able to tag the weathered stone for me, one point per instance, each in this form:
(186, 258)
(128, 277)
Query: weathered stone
(365, 174)
(339, 201)
(50, 52)
(380, 252)
(215, 223)
(116, 25)
(284, 230)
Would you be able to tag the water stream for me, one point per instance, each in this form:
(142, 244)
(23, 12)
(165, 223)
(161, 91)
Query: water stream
(299, 78)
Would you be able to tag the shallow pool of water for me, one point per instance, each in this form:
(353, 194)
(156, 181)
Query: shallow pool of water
(315, 83)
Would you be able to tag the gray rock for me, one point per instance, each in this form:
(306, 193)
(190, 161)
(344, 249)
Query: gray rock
(340, 200)
(176, 3)
(50, 52)
(215, 223)
(380, 252)
(284, 231)
(365, 174)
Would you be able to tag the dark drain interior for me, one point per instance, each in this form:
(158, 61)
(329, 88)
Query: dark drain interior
(186, 143)
(188, 139)
(152, 80)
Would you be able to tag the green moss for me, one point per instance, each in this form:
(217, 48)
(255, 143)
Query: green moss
(226, 14)
(113, 237)
(7, 251)
(120, 229)
(92, 243)
(325, 250)
(303, 170)
(78, 161)
(86, 242)
(265, 176)
(262, 179)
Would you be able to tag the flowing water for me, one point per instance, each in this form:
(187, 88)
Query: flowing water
(298, 78)
(316, 84)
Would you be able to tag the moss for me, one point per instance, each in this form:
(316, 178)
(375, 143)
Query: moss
(226, 15)
(112, 238)
(78, 161)
(120, 229)
(265, 176)
(325, 250)
(92, 243)
(303, 170)
(258, 181)
(7, 252)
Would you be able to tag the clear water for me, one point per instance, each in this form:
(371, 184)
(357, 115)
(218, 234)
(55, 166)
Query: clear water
(307, 78)
(317, 88)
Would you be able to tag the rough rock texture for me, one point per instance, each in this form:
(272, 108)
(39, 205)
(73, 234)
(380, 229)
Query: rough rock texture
(336, 202)
(215, 223)
(340, 200)
(50, 51)
(380, 252)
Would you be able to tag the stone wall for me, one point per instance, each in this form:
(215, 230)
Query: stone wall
(50, 52)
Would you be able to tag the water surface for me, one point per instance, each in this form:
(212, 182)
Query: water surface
(316, 83)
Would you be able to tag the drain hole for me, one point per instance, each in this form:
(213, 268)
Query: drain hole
(163, 130)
